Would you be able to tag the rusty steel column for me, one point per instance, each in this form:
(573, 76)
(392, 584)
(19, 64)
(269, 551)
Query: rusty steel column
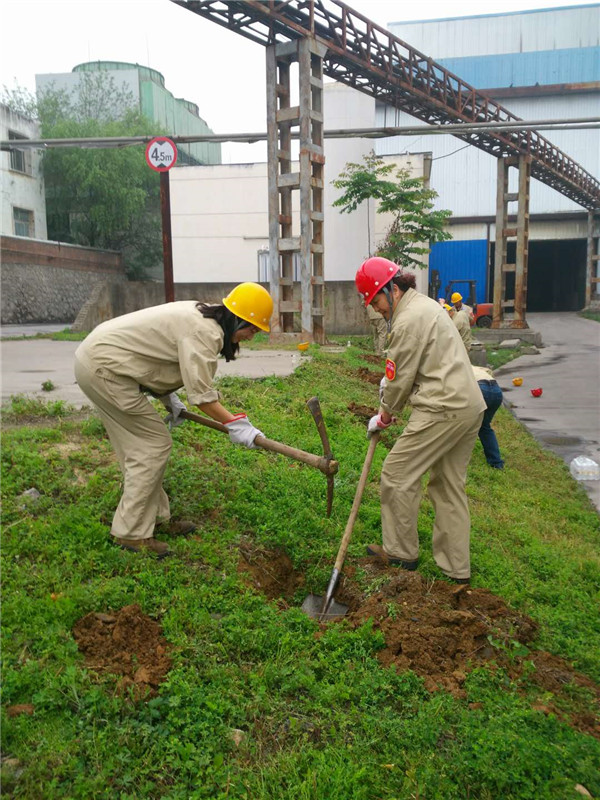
(592, 279)
(294, 318)
(502, 267)
(522, 258)
(501, 244)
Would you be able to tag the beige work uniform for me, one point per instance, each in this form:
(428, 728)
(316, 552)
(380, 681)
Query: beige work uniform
(463, 326)
(379, 329)
(433, 374)
(160, 348)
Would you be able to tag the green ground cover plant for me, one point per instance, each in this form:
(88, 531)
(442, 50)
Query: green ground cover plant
(595, 315)
(261, 702)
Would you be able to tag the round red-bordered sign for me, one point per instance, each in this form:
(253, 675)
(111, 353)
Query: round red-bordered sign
(161, 154)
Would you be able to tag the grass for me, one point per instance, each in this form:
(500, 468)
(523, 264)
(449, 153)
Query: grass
(66, 335)
(320, 717)
(595, 315)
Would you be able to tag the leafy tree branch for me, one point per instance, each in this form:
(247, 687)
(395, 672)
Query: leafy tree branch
(416, 224)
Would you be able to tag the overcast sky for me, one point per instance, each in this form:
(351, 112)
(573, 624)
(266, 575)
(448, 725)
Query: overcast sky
(220, 71)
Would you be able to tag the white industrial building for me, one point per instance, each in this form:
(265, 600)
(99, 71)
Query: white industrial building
(219, 214)
(23, 198)
(540, 65)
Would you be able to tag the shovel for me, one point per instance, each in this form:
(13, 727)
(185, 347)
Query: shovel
(322, 608)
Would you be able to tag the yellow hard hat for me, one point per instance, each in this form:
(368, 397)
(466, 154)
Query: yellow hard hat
(456, 297)
(252, 303)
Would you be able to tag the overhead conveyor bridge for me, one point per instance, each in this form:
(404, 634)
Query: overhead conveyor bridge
(361, 54)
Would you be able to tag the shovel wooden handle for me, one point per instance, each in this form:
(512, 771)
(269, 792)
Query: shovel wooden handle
(339, 561)
(328, 467)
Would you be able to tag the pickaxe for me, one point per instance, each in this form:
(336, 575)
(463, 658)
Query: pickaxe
(326, 464)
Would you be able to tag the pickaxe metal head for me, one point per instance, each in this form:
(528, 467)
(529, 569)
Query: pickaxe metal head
(315, 410)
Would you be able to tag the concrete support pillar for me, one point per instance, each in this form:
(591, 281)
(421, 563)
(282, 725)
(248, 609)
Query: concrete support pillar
(290, 250)
(516, 305)
(592, 280)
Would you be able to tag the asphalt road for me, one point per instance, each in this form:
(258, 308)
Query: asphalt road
(28, 363)
(566, 418)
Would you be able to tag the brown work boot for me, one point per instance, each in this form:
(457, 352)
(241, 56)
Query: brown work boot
(175, 528)
(151, 545)
(378, 551)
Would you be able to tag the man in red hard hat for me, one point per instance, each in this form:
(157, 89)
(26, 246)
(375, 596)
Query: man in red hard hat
(428, 367)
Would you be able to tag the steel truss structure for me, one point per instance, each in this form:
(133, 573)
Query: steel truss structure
(374, 61)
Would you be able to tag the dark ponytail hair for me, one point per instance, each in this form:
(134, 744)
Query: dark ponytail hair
(404, 280)
(228, 321)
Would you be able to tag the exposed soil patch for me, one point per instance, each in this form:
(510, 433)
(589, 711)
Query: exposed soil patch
(127, 643)
(374, 359)
(269, 571)
(362, 412)
(369, 376)
(441, 631)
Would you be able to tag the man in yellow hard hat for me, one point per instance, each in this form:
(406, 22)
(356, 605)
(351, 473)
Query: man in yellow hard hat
(162, 349)
(458, 304)
(460, 319)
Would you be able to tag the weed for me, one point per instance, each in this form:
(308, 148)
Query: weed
(24, 407)
(48, 386)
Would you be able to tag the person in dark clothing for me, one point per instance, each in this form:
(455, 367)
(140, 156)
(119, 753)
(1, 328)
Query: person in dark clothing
(492, 394)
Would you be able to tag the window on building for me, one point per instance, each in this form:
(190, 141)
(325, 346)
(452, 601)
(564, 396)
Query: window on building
(23, 222)
(20, 160)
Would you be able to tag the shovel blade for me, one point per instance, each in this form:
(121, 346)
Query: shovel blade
(313, 606)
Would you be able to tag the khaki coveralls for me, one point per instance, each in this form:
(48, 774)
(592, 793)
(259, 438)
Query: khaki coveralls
(463, 326)
(433, 374)
(378, 329)
(160, 348)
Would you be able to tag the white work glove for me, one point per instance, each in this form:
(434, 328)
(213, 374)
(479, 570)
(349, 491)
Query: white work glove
(376, 425)
(174, 406)
(242, 431)
(382, 385)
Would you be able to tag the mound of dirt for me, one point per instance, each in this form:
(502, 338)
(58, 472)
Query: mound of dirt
(369, 376)
(269, 571)
(362, 412)
(374, 359)
(127, 643)
(439, 630)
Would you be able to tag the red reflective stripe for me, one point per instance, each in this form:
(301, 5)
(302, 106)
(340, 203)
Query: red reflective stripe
(235, 418)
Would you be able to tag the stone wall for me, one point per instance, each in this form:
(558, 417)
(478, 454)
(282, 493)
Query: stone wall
(49, 281)
(344, 314)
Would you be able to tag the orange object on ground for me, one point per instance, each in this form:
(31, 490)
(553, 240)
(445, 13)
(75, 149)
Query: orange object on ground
(303, 345)
(518, 381)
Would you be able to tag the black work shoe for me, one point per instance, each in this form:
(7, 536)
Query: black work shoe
(461, 580)
(181, 527)
(379, 552)
(151, 545)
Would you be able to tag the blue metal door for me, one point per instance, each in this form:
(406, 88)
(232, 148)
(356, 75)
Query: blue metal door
(461, 260)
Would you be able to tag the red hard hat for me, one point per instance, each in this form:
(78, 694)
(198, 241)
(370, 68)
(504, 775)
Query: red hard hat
(374, 274)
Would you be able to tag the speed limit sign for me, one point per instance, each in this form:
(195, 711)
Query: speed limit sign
(161, 154)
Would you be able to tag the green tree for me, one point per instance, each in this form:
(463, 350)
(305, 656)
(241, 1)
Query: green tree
(105, 197)
(416, 224)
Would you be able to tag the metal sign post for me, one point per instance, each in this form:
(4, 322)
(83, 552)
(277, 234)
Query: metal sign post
(161, 155)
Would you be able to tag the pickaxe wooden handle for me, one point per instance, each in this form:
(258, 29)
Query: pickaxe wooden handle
(315, 410)
(327, 466)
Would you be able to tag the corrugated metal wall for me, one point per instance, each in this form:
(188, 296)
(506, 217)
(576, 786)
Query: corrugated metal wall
(546, 67)
(465, 177)
(519, 32)
(461, 260)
